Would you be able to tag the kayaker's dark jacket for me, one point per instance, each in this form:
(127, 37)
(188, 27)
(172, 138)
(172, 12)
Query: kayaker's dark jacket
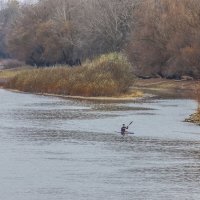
(123, 129)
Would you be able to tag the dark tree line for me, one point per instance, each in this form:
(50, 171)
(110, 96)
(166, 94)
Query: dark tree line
(160, 37)
(62, 31)
(8, 14)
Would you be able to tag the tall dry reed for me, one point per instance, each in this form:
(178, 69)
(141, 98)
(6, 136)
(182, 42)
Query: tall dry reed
(107, 75)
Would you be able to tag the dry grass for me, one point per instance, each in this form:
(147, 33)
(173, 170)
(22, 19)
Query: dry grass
(194, 118)
(132, 94)
(10, 73)
(108, 75)
(6, 74)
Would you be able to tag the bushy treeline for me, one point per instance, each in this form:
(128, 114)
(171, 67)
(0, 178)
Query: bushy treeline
(50, 32)
(8, 14)
(160, 37)
(166, 38)
(107, 75)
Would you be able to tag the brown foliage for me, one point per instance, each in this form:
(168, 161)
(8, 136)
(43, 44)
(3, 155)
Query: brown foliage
(39, 37)
(50, 32)
(161, 37)
(106, 76)
(166, 38)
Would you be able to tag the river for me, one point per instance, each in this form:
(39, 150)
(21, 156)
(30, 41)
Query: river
(59, 149)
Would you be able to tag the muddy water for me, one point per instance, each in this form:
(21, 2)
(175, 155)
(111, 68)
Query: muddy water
(53, 148)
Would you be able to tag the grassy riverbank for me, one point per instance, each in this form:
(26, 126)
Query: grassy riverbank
(107, 75)
(8, 74)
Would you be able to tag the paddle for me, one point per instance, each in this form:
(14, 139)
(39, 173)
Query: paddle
(130, 124)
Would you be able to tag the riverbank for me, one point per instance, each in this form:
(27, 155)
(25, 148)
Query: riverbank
(8, 74)
(171, 87)
(105, 76)
(194, 118)
(131, 96)
(141, 89)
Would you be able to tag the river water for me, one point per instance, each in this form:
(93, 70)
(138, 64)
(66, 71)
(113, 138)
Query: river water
(59, 149)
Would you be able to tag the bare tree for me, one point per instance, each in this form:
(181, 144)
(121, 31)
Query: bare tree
(9, 10)
(165, 39)
(74, 29)
(41, 38)
(106, 25)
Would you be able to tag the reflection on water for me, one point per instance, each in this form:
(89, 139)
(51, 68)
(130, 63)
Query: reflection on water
(53, 148)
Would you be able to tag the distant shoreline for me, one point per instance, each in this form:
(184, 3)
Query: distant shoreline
(100, 98)
(153, 87)
(150, 88)
(164, 86)
(147, 87)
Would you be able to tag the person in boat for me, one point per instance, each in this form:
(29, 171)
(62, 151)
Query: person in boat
(123, 129)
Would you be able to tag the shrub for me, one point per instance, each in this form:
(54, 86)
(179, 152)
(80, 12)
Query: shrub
(106, 75)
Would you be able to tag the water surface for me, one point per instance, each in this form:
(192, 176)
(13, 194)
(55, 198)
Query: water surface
(52, 148)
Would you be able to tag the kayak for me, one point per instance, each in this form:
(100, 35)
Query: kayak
(126, 133)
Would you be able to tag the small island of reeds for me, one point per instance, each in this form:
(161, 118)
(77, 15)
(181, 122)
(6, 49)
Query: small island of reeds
(107, 75)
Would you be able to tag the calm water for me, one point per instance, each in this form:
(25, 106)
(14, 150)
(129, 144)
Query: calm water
(57, 149)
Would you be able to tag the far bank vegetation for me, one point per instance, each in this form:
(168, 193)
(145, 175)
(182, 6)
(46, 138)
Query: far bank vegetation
(160, 38)
(107, 75)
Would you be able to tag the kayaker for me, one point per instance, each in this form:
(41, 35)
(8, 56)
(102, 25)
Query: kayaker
(123, 129)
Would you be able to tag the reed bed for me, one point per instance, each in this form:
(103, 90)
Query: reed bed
(6, 74)
(107, 75)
